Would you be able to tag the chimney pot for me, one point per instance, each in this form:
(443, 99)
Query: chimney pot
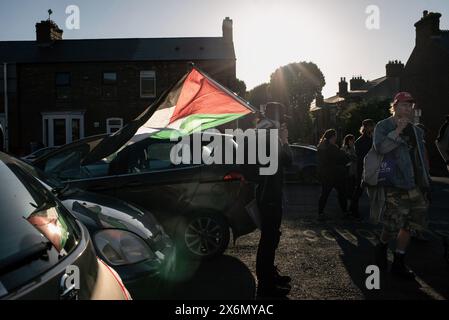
(47, 32)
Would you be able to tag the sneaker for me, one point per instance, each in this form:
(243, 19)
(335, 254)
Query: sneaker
(280, 279)
(380, 256)
(399, 269)
(272, 291)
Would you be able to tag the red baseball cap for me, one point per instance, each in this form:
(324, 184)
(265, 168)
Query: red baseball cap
(403, 97)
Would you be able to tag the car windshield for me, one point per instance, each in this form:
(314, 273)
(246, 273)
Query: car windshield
(31, 221)
(66, 164)
(42, 176)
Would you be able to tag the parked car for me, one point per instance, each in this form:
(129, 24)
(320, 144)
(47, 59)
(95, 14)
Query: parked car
(196, 203)
(38, 153)
(126, 237)
(45, 253)
(304, 164)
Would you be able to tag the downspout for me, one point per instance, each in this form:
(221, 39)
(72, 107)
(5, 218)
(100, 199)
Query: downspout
(5, 82)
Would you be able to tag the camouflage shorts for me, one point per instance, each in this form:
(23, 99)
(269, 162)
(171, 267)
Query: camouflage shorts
(404, 210)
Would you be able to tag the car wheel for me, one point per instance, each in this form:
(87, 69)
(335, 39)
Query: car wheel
(203, 235)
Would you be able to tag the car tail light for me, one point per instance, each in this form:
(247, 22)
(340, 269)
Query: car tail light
(234, 176)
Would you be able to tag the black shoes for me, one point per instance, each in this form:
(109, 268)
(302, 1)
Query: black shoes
(280, 279)
(271, 290)
(380, 256)
(399, 269)
(276, 287)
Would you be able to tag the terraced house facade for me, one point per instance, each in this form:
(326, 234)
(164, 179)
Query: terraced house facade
(58, 90)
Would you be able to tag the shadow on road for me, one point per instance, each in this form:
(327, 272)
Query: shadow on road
(426, 259)
(222, 278)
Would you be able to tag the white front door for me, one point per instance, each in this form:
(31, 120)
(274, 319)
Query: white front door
(60, 128)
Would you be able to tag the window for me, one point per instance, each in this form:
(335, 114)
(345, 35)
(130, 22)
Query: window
(66, 164)
(62, 82)
(109, 89)
(113, 125)
(110, 78)
(147, 84)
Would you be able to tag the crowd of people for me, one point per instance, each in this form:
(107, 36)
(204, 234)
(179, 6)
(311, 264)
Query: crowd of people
(341, 168)
(390, 161)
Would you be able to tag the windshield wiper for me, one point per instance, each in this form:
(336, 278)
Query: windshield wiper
(25, 256)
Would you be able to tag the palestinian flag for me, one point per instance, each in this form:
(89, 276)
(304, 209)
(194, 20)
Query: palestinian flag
(195, 103)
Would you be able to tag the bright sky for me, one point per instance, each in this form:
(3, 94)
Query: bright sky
(267, 33)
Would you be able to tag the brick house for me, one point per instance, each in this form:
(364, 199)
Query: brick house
(425, 76)
(326, 111)
(60, 90)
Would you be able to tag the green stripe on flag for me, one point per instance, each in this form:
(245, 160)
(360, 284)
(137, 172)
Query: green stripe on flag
(197, 123)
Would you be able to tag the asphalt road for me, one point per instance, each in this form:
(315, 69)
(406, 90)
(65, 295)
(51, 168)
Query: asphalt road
(326, 260)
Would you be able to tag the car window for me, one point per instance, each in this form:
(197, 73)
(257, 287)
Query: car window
(29, 217)
(159, 155)
(66, 164)
(149, 156)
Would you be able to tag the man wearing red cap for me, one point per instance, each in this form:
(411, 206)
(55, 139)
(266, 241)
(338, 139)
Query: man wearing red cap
(403, 177)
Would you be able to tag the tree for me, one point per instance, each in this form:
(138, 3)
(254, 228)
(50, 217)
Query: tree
(352, 117)
(259, 95)
(239, 87)
(296, 85)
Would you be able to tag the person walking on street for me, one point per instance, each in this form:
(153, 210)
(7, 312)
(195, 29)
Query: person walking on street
(331, 170)
(397, 162)
(351, 167)
(362, 145)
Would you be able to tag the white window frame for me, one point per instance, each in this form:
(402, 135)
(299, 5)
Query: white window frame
(68, 117)
(147, 74)
(113, 126)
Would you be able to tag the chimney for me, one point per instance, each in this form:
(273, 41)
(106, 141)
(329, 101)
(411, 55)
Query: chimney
(47, 32)
(342, 87)
(357, 83)
(394, 69)
(227, 29)
(428, 26)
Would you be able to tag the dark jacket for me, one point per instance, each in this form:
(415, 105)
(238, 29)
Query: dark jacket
(362, 145)
(331, 163)
(270, 189)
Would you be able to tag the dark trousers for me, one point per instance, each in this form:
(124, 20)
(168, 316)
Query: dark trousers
(351, 182)
(271, 218)
(356, 197)
(326, 189)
